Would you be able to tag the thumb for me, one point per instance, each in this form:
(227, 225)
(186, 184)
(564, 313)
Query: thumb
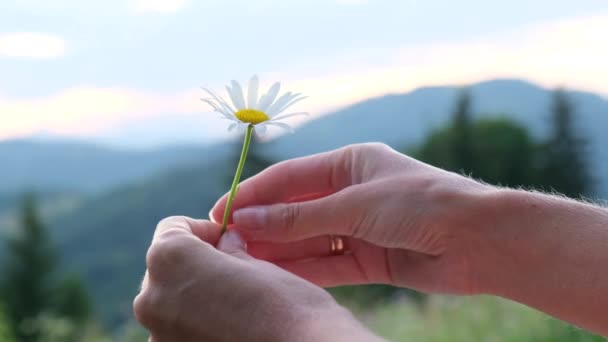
(296, 221)
(232, 243)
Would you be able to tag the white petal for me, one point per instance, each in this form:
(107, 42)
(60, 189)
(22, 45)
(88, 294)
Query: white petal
(230, 119)
(285, 116)
(223, 103)
(211, 103)
(252, 92)
(268, 98)
(280, 124)
(214, 105)
(242, 127)
(260, 128)
(225, 114)
(232, 126)
(281, 101)
(236, 94)
(216, 97)
(291, 103)
(217, 109)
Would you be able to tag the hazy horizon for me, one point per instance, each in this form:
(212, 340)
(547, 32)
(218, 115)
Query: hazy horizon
(131, 69)
(151, 139)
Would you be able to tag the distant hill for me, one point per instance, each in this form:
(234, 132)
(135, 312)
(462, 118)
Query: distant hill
(403, 120)
(106, 237)
(77, 166)
(400, 120)
(50, 205)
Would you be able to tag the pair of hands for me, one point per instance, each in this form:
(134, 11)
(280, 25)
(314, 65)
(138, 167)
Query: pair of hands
(404, 223)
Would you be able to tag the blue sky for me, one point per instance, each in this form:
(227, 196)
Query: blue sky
(131, 68)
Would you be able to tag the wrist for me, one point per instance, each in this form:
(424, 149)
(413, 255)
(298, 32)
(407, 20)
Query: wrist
(500, 233)
(544, 251)
(519, 235)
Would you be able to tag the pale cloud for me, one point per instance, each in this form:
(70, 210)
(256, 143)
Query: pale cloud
(88, 109)
(568, 53)
(31, 45)
(351, 2)
(98, 112)
(158, 6)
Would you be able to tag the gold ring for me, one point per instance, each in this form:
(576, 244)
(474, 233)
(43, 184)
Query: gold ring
(336, 245)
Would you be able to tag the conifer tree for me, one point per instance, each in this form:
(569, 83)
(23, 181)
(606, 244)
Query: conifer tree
(462, 144)
(28, 281)
(30, 287)
(565, 166)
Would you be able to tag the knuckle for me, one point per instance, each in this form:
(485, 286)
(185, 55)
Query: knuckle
(347, 153)
(164, 254)
(375, 147)
(379, 152)
(289, 215)
(172, 222)
(344, 167)
(146, 309)
(145, 281)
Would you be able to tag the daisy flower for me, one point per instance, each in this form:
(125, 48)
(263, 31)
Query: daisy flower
(259, 112)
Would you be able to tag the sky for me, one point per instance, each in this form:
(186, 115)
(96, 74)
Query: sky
(128, 72)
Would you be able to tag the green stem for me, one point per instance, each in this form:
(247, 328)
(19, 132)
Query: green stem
(237, 178)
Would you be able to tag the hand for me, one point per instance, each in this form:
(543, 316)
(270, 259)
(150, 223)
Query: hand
(195, 292)
(409, 224)
(404, 223)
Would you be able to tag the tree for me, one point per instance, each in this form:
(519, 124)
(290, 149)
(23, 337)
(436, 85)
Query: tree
(28, 283)
(564, 165)
(503, 151)
(6, 333)
(30, 288)
(72, 301)
(461, 146)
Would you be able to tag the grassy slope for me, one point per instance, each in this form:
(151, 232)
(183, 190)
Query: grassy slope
(469, 319)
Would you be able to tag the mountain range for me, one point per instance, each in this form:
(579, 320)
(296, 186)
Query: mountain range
(403, 120)
(122, 194)
(60, 165)
(400, 120)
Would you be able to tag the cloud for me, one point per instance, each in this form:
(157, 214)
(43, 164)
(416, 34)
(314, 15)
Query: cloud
(104, 112)
(31, 45)
(567, 52)
(88, 109)
(158, 6)
(351, 2)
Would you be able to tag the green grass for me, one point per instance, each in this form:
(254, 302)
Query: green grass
(467, 319)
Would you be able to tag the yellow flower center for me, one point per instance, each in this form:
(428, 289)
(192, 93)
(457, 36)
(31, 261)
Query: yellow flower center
(252, 116)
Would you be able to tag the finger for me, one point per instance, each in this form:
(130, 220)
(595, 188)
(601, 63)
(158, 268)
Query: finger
(205, 230)
(364, 263)
(328, 271)
(323, 173)
(232, 243)
(178, 244)
(335, 214)
(144, 282)
(310, 248)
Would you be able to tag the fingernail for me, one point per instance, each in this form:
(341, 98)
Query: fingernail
(211, 218)
(231, 241)
(250, 218)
